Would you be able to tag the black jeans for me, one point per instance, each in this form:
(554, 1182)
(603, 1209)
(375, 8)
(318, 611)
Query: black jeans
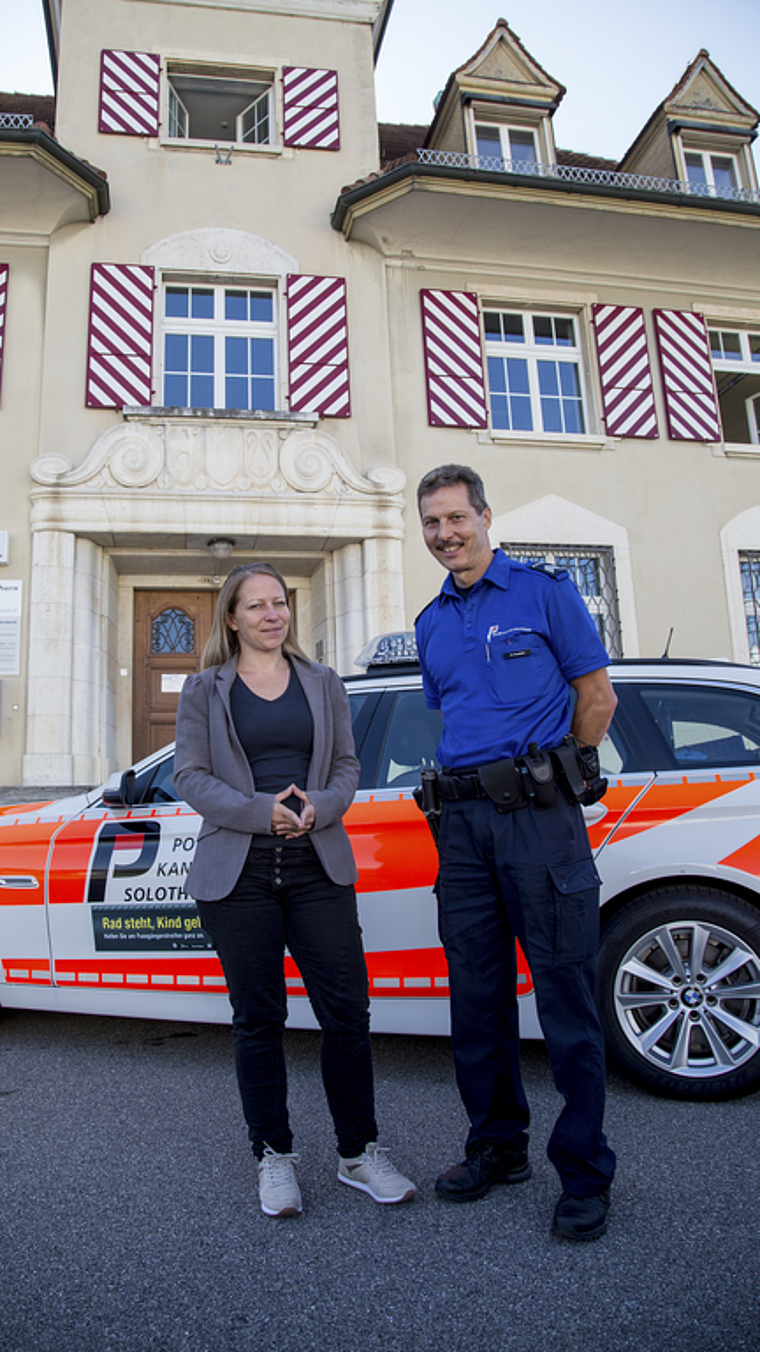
(284, 897)
(525, 875)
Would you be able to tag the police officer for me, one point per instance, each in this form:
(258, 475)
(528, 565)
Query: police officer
(511, 656)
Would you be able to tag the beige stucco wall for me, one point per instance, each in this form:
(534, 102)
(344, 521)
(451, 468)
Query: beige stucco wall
(19, 421)
(669, 500)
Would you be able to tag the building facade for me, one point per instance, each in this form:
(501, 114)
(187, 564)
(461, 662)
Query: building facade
(216, 351)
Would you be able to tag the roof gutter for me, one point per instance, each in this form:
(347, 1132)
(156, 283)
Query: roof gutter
(363, 192)
(44, 148)
(381, 23)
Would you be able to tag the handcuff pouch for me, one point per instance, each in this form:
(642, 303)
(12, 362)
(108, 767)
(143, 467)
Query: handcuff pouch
(503, 782)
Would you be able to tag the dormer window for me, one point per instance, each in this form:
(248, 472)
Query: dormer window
(717, 173)
(497, 143)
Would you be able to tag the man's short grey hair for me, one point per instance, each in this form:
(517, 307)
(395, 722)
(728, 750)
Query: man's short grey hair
(448, 476)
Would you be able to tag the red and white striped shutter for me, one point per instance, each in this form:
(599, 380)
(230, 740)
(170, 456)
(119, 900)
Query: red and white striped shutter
(690, 399)
(4, 270)
(130, 85)
(318, 346)
(120, 345)
(626, 375)
(456, 388)
(310, 108)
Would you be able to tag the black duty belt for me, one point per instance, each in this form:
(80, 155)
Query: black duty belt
(532, 778)
(536, 777)
(504, 782)
(456, 786)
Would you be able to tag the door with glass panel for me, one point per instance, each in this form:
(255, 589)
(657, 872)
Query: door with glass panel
(171, 629)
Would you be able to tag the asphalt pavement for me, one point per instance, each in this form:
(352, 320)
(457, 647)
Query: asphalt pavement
(129, 1218)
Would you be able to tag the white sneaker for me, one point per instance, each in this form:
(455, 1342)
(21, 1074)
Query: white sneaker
(279, 1193)
(373, 1172)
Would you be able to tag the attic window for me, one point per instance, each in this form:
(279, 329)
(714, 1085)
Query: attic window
(516, 145)
(220, 107)
(718, 173)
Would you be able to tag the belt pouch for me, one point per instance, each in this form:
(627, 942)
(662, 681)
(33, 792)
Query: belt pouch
(503, 782)
(541, 787)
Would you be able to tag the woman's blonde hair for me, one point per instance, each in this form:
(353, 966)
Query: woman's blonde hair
(223, 642)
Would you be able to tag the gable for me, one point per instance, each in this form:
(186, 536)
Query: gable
(503, 61)
(501, 73)
(704, 93)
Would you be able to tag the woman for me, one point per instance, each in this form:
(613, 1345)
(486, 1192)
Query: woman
(265, 754)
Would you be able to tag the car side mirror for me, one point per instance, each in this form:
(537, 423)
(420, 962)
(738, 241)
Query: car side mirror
(120, 790)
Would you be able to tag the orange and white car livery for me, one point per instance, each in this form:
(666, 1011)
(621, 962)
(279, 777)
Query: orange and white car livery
(94, 917)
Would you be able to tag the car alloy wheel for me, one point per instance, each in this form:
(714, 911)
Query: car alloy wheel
(679, 992)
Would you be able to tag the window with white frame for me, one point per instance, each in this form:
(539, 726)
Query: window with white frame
(749, 566)
(593, 572)
(736, 363)
(219, 346)
(535, 373)
(220, 105)
(494, 142)
(717, 174)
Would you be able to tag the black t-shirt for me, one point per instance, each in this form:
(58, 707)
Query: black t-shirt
(464, 592)
(276, 735)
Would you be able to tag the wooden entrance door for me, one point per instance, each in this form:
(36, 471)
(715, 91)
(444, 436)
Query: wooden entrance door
(171, 629)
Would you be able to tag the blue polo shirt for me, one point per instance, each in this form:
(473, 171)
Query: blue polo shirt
(498, 663)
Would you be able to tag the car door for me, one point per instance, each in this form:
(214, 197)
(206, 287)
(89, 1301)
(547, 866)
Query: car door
(396, 737)
(696, 809)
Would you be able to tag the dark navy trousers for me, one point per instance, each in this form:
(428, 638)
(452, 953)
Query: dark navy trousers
(525, 875)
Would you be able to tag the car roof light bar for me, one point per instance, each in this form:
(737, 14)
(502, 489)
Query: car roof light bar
(388, 650)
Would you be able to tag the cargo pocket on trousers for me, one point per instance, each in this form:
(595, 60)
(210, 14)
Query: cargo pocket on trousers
(576, 898)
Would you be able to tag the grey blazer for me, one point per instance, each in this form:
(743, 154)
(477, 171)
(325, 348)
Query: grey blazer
(213, 775)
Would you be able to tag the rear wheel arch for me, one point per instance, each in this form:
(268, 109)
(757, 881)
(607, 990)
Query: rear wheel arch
(614, 904)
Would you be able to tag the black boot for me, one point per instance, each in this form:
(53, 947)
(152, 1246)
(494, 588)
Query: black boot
(487, 1163)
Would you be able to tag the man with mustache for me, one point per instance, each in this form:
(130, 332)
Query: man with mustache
(511, 656)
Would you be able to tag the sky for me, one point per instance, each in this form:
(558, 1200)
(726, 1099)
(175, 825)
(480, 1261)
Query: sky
(617, 58)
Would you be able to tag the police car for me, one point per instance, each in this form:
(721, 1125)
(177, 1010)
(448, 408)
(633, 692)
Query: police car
(94, 917)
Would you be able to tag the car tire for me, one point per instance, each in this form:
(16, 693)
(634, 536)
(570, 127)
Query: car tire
(678, 991)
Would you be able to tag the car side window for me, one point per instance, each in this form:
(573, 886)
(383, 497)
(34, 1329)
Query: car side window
(411, 739)
(362, 704)
(706, 727)
(161, 787)
(610, 758)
